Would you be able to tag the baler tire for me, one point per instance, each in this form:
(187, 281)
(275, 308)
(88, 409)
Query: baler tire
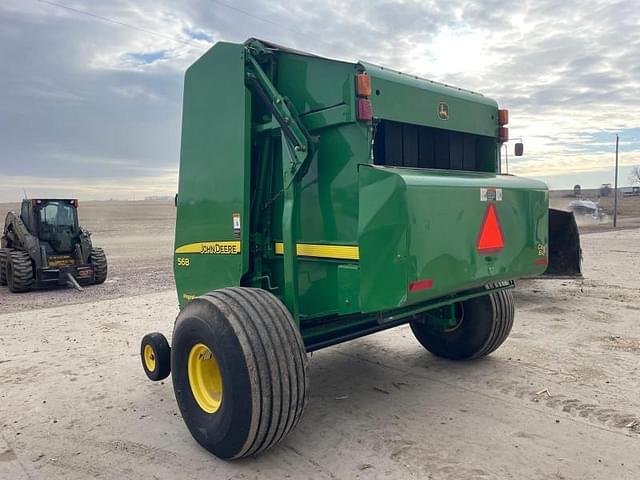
(486, 323)
(19, 271)
(260, 369)
(156, 356)
(99, 262)
(4, 254)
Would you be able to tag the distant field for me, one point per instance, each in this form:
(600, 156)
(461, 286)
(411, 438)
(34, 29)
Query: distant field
(627, 206)
(628, 209)
(100, 217)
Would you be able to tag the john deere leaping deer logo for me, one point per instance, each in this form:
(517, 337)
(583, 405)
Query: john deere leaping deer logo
(443, 111)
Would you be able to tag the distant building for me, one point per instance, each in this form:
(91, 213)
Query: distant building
(633, 191)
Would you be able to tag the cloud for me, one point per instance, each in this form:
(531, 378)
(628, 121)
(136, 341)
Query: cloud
(94, 101)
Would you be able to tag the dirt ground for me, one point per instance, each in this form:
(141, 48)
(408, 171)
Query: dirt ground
(559, 400)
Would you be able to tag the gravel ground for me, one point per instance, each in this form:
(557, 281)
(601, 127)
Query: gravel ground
(559, 400)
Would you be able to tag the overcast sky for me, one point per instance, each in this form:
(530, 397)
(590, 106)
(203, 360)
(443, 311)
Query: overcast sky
(91, 107)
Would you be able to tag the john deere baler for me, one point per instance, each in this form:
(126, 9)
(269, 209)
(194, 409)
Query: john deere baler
(321, 201)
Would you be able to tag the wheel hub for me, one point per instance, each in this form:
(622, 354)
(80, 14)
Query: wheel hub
(205, 378)
(149, 358)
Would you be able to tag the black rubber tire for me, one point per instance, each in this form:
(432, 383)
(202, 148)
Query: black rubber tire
(19, 271)
(161, 354)
(99, 261)
(262, 362)
(485, 325)
(4, 254)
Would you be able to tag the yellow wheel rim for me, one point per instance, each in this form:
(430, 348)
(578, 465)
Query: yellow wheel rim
(149, 358)
(205, 379)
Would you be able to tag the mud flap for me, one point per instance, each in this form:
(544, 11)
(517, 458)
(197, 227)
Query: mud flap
(565, 254)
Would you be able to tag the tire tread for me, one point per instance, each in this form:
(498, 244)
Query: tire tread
(21, 270)
(495, 316)
(99, 261)
(502, 302)
(4, 254)
(274, 348)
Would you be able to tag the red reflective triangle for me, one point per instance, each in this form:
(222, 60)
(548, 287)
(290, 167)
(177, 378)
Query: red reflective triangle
(490, 238)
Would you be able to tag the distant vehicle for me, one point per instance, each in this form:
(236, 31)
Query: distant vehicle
(45, 246)
(631, 191)
(605, 189)
(577, 190)
(586, 208)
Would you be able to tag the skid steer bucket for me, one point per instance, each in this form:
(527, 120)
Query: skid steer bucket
(565, 254)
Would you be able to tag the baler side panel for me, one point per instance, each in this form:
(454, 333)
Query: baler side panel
(328, 199)
(328, 195)
(404, 98)
(423, 226)
(214, 174)
(313, 83)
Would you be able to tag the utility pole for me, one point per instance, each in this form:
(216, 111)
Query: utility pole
(615, 190)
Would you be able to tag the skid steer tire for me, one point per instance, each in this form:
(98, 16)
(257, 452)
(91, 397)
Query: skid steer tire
(4, 254)
(484, 323)
(239, 371)
(19, 271)
(156, 356)
(99, 262)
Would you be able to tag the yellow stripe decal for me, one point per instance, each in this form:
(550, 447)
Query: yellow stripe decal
(342, 252)
(211, 248)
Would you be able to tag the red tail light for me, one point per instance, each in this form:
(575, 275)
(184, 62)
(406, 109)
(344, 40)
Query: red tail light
(504, 134)
(490, 239)
(420, 285)
(365, 112)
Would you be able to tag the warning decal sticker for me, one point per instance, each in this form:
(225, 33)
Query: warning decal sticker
(490, 194)
(236, 225)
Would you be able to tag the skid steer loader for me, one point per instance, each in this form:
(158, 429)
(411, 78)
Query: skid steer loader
(44, 246)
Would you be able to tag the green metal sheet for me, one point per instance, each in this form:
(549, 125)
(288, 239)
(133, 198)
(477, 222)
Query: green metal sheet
(423, 225)
(315, 83)
(409, 99)
(328, 214)
(214, 174)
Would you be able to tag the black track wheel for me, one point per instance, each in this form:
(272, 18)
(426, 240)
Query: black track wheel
(156, 356)
(99, 261)
(239, 371)
(484, 323)
(19, 271)
(4, 254)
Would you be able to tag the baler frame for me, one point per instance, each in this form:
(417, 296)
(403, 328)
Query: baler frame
(341, 241)
(296, 146)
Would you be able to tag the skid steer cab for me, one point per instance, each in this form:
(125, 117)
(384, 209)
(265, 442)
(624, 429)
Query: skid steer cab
(320, 201)
(44, 246)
